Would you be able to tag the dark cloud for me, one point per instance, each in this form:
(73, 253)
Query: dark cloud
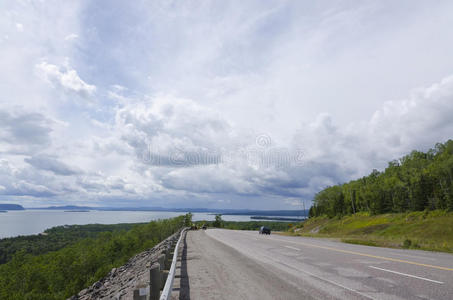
(49, 163)
(27, 189)
(24, 128)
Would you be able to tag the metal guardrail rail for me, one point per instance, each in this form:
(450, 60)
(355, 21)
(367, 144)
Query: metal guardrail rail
(166, 292)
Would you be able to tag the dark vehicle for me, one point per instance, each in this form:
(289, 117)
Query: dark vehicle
(204, 227)
(265, 230)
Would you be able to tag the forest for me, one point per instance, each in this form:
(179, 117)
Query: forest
(416, 182)
(54, 238)
(62, 273)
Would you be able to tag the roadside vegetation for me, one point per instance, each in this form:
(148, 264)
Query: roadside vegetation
(62, 273)
(245, 225)
(415, 182)
(408, 205)
(426, 230)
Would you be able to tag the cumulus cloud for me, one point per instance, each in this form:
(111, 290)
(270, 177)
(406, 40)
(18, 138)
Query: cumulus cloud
(178, 147)
(214, 103)
(242, 167)
(398, 127)
(168, 130)
(412, 123)
(65, 78)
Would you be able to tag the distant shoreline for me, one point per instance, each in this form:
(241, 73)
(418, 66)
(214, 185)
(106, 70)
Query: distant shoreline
(226, 212)
(278, 218)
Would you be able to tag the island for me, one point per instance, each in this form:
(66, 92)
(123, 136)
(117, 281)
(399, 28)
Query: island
(7, 206)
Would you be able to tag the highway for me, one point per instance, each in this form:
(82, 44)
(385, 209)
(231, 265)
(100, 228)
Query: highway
(229, 264)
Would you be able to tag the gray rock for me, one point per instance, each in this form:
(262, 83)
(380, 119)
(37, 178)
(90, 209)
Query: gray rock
(83, 292)
(96, 285)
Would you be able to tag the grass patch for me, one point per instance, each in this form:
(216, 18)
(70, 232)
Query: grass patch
(427, 230)
(360, 242)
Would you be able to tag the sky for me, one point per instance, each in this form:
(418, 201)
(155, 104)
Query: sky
(215, 104)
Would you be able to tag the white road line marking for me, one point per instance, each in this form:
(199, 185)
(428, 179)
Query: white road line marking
(408, 275)
(364, 254)
(273, 258)
(322, 279)
(294, 248)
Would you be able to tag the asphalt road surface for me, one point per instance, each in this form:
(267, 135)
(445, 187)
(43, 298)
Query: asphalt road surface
(228, 264)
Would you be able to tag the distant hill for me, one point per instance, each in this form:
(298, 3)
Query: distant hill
(184, 210)
(67, 207)
(7, 206)
(293, 213)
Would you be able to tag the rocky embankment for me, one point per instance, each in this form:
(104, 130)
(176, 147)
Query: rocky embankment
(120, 283)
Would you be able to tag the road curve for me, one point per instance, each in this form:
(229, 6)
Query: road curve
(228, 264)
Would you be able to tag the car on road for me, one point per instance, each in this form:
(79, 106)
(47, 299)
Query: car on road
(265, 230)
(204, 227)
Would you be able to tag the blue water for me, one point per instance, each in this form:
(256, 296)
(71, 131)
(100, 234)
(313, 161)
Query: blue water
(26, 222)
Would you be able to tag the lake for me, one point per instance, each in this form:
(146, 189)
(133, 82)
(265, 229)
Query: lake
(26, 222)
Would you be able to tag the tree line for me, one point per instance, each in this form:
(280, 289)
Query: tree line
(418, 181)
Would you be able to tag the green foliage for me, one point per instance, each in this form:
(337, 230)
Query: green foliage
(54, 239)
(218, 221)
(407, 243)
(63, 273)
(360, 242)
(188, 220)
(416, 182)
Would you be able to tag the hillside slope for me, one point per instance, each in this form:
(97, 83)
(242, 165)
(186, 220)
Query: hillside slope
(427, 230)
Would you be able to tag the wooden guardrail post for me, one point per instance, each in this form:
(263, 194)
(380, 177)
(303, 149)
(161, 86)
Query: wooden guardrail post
(163, 272)
(155, 282)
(161, 261)
(168, 258)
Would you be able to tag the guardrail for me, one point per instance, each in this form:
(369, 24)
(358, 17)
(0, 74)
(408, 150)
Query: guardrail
(158, 275)
(171, 274)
